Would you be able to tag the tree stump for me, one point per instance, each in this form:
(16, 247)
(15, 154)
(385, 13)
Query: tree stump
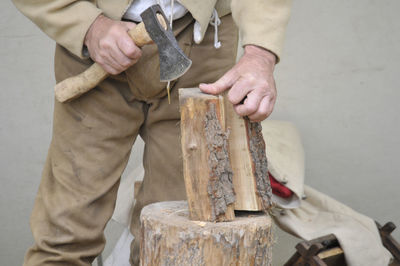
(169, 238)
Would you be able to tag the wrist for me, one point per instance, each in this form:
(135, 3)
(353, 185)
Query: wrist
(261, 52)
(99, 20)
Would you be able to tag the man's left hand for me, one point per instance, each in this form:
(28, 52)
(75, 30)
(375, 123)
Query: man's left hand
(250, 82)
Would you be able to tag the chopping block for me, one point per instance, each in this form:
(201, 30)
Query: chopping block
(169, 237)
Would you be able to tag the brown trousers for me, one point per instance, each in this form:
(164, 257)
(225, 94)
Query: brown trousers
(92, 139)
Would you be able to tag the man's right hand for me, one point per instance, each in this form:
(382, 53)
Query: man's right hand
(110, 45)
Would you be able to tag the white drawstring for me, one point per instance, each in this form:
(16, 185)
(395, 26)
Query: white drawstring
(170, 24)
(215, 21)
(172, 13)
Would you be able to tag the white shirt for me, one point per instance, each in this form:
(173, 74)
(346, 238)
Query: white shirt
(138, 6)
(178, 11)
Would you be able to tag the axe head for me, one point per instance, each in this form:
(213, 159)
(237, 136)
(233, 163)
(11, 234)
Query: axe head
(173, 62)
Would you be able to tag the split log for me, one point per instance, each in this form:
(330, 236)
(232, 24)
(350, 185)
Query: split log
(249, 162)
(245, 151)
(206, 166)
(170, 238)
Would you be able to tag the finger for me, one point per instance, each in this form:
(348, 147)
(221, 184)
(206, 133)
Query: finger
(103, 55)
(104, 59)
(120, 60)
(128, 48)
(127, 45)
(222, 84)
(128, 25)
(239, 91)
(114, 65)
(265, 109)
(109, 69)
(250, 105)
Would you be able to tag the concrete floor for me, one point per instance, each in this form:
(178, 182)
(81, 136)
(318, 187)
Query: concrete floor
(338, 82)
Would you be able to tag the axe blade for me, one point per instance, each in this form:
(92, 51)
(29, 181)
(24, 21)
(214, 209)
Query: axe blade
(173, 62)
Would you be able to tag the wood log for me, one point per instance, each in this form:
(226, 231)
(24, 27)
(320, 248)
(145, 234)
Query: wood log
(246, 154)
(206, 166)
(170, 238)
(249, 162)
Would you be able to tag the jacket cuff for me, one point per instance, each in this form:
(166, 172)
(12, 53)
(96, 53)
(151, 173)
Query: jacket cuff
(65, 21)
(262, 23)
(74, 37)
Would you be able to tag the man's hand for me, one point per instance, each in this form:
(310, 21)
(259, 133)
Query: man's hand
(110, 45)
(251, 83)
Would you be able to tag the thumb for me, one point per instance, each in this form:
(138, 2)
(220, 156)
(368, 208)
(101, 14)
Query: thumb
(128, 25)
(221, 85)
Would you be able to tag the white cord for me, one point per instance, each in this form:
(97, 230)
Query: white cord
(216, 23)
(172, 13)
(170, 25)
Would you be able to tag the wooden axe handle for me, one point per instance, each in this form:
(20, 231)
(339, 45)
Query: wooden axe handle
(75, 86)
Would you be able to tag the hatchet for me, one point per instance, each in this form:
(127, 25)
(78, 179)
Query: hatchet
(153, 28)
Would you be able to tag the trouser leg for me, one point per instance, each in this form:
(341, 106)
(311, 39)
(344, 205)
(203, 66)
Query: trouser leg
(92, 139)
(162, 160)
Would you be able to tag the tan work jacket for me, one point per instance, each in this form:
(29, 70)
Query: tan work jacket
(261, 22)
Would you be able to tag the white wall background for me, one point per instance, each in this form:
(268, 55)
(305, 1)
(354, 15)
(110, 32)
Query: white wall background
(338, 82)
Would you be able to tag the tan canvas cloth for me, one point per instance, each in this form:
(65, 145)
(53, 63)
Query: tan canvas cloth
(285, 159)
(91, 143)
(317, 214)
(320, 215)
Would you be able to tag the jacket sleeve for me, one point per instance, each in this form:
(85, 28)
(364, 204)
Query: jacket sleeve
(65, 21)
(262, 22)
